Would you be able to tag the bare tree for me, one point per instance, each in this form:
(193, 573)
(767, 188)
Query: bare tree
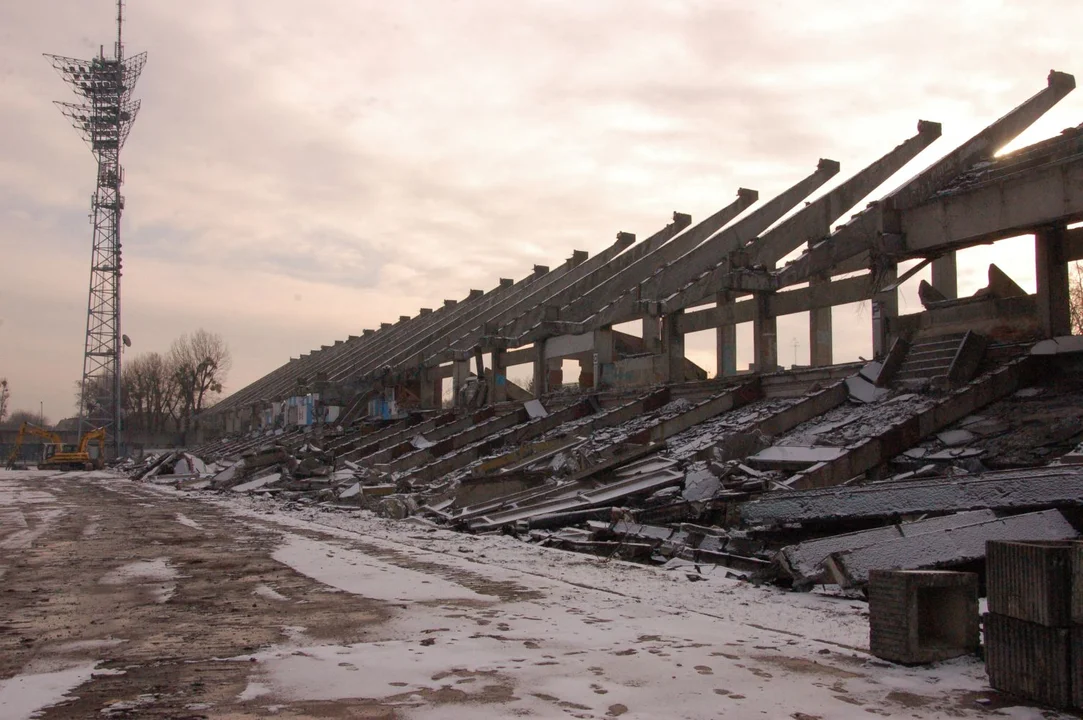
(1075, 296)
(149, 392)
(5, 395)
(201, 363)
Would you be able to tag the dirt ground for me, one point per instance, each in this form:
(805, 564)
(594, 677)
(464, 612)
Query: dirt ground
(176, 607)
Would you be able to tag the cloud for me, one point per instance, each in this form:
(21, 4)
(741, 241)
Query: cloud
(373, 158)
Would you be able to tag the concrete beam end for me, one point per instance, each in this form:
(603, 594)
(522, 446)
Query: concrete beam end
(748, 195)
(1061, 80)
(506, 282)
(403, 318)
(682, 220)
(831, 167)
(541, 269)
(425, 311)
(928, 128)
(450, 303)
(475, 294)
(624, 239)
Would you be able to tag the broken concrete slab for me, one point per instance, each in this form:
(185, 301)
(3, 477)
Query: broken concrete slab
(257, 483)
(782, 457)
(700, 484)
(1053, 486)
(956, 438)
(803, 562)
(864, 391)
(871, 372)
(950, 547)
(1057, 345)
(535, 409)
(952, 454)
(421, 442)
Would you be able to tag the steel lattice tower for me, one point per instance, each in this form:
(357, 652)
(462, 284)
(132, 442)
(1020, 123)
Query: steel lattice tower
(103, 117)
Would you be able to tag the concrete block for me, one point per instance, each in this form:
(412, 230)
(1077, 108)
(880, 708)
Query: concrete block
(1028, 660)
(1076, 659)
(922, 616)
(1030, 581)
(1077, 585)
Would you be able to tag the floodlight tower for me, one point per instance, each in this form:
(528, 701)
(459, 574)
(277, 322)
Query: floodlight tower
(103, 117)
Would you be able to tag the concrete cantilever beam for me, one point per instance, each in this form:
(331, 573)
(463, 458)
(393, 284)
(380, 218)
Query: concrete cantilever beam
(405, 352)
(984, 145)
(517, 322)
(813, 222)
(864, 232)
(599, 263)
(690, 265)
(586, 300)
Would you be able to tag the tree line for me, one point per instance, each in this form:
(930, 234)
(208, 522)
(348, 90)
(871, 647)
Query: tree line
(164, 392)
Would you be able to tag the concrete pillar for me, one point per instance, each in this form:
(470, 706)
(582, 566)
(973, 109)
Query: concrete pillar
(672, 348)
(1051, 273)
(497, 378)
(554, 373)
(460, 374)
(588, 377)
(428, 390)
(885, 309)
(764, 335)
(652, 334)
(819, 331)
(725, 342)
(539, 368)
(946, 276)
(604, 354)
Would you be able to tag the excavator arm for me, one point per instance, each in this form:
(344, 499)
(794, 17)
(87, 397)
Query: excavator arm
(27, 429)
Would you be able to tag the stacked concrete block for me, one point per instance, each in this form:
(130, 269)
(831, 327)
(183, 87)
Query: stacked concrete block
(1029, 648)
(922, 616)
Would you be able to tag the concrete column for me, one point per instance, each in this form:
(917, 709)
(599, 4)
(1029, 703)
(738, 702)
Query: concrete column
(460, 374)
(588, 378)
(554, 375)
(428, 392)
(764, 335)
(946, 276)
(820, 332)
(672, 348)
(652, 334)
(539, 368)
(1051, 266)
(604, 354)
(725, 342)
(885, 309)
(497, 378)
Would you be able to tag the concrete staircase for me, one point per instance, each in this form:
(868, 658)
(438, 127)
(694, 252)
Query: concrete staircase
(930, 360)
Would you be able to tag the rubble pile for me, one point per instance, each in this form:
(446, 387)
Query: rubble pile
(685, 482)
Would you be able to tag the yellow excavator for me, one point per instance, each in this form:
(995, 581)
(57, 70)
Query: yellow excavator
(59, 456)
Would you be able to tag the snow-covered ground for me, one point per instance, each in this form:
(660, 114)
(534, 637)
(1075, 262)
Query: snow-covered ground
(492, 627)
(592, 638)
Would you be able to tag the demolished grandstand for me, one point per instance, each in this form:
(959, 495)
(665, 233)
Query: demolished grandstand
(971, 408)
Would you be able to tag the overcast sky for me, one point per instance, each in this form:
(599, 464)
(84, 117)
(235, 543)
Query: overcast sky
(301, 171)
